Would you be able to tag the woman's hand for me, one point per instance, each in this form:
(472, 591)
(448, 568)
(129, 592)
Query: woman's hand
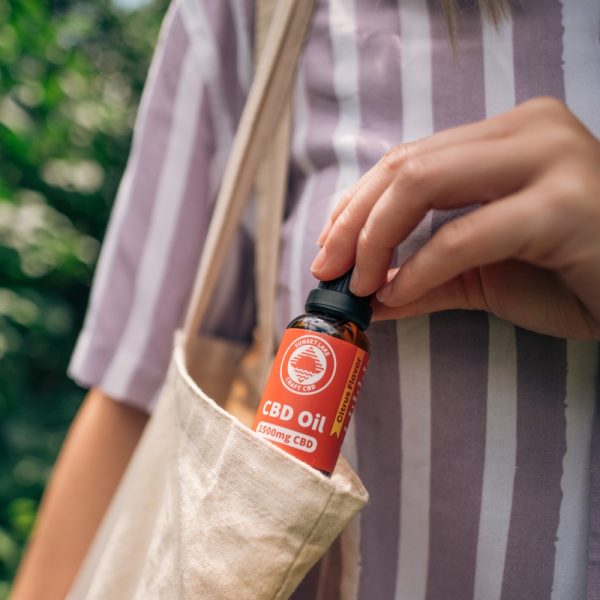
(529, 252)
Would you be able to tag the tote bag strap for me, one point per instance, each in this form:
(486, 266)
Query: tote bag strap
(266, 99)
(270, 188)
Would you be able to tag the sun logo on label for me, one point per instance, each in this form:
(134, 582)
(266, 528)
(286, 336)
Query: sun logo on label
(308, 365)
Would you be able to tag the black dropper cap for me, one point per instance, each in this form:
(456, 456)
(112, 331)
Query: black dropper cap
(334, 297)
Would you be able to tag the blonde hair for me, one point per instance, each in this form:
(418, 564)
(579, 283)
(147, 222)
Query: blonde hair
(495, 10)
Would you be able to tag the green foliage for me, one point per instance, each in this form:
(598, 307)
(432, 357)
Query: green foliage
(71, 73)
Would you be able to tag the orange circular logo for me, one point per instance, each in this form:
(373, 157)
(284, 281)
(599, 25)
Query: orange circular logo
(308, 365)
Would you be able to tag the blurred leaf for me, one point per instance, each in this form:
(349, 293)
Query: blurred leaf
(71, 73)
(22, 515)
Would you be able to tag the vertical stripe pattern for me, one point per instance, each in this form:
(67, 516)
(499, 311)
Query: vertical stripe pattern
(413, 334)
(378, 425)
(313, 169)
(581, 59)
(593, 567)
(541, 361)
(120, 258)
(343, 34)
(458, 417)
(242, 14)
(297, 269)
(417, 111)
(415, 394)
(380, 82)
(537, 39)
(154, 265)
(187, 221)
(205, 46)
(581, 64)
(541, 382)
(501, 411)
(500, 461)
(573, 527)
(499, 76)
(474, 438)
(342, 21)
(459, 357)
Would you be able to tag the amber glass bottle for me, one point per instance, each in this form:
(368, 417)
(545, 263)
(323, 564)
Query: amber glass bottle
(316, 376)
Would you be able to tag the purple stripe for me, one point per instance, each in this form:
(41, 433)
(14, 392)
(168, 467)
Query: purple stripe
(378, 433)
(316, 69)
(109, 312)
(379, 73)
(232, 311)
(331, 574)
(541, 444)
(541, 361)
(459, 346)
(307, 590)
(537, 49)
(459, 368)
(316, 65)
(283, 307)
(249, 19)
(593, 572)
(221, 23)
(318, 211)
(184, 251)
(458, 80)
(319, 205)
(324, 579)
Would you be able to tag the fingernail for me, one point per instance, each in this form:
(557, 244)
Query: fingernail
(319, 261)
(354, 280)
(384, 293)
(324, 233)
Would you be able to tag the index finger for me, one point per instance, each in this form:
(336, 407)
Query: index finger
(385, 168)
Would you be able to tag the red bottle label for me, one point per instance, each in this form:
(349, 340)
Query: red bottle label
(310, 396)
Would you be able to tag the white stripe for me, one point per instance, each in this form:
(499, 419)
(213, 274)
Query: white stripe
(500, 461)
(572, 535)
(298, 241)
(162, 232)
(350, 449)
(121, 204)
(581, 60)
(581, 65)
(244, 48)
(350, 539)
(300, 248)
(417, 96)
(501, 415)
(415, 393)
(204, 46)
(351, 563)
(301, 118)
(413, 334)
(342, 30)
(498, 66)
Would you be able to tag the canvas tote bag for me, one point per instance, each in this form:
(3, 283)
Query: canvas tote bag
(206, 508)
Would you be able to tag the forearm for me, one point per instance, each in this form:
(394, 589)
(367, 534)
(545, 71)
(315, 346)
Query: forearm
(89, 467)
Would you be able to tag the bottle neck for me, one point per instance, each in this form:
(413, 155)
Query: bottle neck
(332, 315)
(341, 305)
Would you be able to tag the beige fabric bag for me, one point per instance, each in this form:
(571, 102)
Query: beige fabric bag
(207, 509)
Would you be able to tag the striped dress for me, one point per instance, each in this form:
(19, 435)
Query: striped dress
(476, 439)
